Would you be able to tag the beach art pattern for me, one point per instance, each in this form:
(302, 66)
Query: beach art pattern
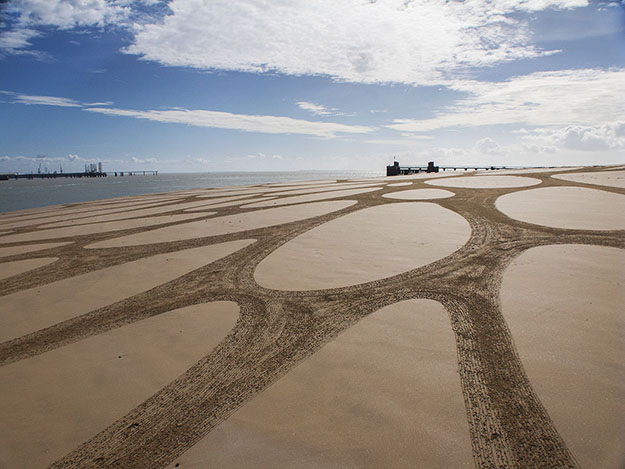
(334, 323)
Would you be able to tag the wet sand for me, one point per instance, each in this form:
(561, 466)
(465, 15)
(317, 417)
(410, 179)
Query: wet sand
(483, 328)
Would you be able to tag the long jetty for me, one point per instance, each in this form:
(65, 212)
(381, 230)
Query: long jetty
(396, 169)
(89, 174)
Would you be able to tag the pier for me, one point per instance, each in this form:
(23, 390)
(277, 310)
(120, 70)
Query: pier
(396, 170)
(88, 174)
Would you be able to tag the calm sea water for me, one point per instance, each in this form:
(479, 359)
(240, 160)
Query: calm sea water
(26, 193)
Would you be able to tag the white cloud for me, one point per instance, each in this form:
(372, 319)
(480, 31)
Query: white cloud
(73, 157)
(607, 136)
(65, 14)
(245, 122)
(413, 42)
(134, 159)
(11, 41)
(584, 97)
(46, 100)
(316, 109)
(488, 145)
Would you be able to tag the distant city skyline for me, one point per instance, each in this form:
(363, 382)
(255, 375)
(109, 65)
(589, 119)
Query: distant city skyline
(186, 86)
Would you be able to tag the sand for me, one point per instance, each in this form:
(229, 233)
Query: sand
(129, 214)
(33, 309)
(493, 182)
(79, 212)
(325, 188)
(227, 224)
(564, 307)
(92, 228)
(505, 172)
(399, 184)
(385, 393)
(434, 364)
(605, 178)
(328, 257)
(16, 250)
(53, 402)
(574, 208)
(298, 199)
(8, 269)
(419, 194)
(232, 203)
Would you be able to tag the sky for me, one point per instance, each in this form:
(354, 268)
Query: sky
(282, 85)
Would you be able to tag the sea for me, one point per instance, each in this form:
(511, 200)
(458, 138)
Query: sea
(32, 193)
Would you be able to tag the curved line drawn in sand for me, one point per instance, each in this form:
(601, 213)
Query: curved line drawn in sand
(226, 224)
(492, 182)
(63, 397)
(131, 214)
(237, 202)
(278, 331)
(8, 269)
(398, 396)
(15, 250)
(603, 178)
(327, 256)
(30, 310)
(420, 194)
(564, 307)
(80, 230)
(298, 199)
(324, 189)
(574, 208)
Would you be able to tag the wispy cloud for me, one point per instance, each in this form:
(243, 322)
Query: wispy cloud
(585, 97)
(244, 122)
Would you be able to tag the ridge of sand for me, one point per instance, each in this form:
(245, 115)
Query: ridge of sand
(328, 257)
(603, 178)
(8, 269)
(227, 224)
(15, 250)
(419, 194)
(564, 307)
(384, 393)
(53, 402)
(29, 310)
(492, 182)
(92, 228)
(575, 208)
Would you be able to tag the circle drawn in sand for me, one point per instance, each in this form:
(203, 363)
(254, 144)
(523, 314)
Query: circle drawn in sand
(420, 194)
(574, 208)
(492, 182)
(563, 305)
(363, 246)
(602, 178)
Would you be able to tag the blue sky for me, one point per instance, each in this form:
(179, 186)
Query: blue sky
(190, 85)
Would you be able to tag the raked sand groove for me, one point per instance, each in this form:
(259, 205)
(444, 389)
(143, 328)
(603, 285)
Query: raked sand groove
(508, 424)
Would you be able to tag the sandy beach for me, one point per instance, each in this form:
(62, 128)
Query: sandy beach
(431, 320)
